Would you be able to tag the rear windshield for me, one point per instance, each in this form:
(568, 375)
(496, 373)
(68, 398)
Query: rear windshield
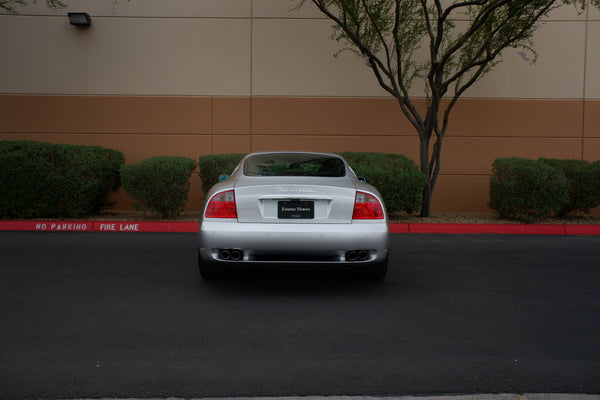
(290, 164)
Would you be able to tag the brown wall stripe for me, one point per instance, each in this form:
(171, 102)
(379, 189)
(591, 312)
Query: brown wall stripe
(480, 131)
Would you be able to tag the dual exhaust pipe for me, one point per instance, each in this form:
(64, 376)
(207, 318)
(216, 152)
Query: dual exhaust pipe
(238, 255)
(357, 255)
(231, 254)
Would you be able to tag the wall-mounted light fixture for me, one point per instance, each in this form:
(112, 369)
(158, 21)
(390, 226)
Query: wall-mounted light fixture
(80, 19)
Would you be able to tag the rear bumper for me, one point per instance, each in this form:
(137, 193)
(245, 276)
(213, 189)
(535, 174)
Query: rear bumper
(293, 243)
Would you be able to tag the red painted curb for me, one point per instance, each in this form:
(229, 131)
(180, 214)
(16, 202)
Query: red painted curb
(489, 228)
(399, 228)
(582, 229)
(192, 227)
(98, 226)
(127, 226)
(54, 226)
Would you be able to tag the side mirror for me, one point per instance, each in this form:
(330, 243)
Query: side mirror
(224, 177)
(362, 179)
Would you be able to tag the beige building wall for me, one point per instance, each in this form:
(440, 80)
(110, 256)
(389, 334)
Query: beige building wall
(189, 77)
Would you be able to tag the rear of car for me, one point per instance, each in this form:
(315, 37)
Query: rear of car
(306, 210)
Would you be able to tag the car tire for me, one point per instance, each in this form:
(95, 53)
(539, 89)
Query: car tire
(374, 272)
(208, 270)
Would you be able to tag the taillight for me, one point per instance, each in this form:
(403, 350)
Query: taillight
(367, 206)
(222, 205)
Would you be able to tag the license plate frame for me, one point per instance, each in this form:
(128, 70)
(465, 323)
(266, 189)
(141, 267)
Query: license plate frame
(296, 209)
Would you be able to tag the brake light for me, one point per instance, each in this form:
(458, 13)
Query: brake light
(222, 205)
(367, 206)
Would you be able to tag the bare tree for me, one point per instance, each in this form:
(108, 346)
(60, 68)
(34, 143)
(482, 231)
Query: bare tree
(390, 35)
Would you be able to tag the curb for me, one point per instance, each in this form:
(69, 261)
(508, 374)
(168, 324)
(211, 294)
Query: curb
(511, 229)
(98, 226)
(192, 227)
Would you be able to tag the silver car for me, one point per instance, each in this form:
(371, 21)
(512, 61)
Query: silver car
(298, 209)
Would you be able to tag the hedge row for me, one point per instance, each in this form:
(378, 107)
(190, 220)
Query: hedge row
(68, 181)
(396, 177)
(212, 166)
(528, 189)
(55, 180)
(62, 181)
(159, 184)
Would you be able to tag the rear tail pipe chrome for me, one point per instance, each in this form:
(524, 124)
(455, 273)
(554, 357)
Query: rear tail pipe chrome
(357, 255)
(237, 255)
(231, 254)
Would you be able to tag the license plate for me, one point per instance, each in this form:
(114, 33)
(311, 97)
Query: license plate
(296, 209)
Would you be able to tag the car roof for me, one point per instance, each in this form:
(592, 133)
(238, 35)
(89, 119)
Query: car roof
(293, 152)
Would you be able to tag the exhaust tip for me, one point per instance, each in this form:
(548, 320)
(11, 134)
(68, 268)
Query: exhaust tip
(225, 254)
(357, 255)
(237, 255)
(231, 254)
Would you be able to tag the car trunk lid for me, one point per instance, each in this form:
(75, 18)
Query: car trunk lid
(295, 200)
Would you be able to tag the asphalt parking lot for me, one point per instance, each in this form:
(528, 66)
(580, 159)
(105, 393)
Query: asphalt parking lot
(106, 315)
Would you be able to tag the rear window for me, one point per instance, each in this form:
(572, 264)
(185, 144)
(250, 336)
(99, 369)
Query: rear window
(289, 164)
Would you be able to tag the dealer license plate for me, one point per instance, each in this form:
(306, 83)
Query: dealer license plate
(296, 209)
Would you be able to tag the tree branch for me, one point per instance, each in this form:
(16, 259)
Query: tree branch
(478, 22)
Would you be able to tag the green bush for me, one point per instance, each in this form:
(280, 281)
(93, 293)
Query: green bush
(55, 180)
(159, 184)
(526, 189)
(584, 184)
(397, 178)
(211, 166)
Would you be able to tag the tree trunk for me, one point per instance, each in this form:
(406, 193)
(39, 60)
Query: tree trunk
(426, 203)
(426, 197)
(430, 167)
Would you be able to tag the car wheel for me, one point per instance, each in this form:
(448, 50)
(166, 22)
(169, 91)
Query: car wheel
(208, 270)
(374, 272)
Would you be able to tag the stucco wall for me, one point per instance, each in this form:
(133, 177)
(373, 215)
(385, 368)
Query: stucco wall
(188, 77)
